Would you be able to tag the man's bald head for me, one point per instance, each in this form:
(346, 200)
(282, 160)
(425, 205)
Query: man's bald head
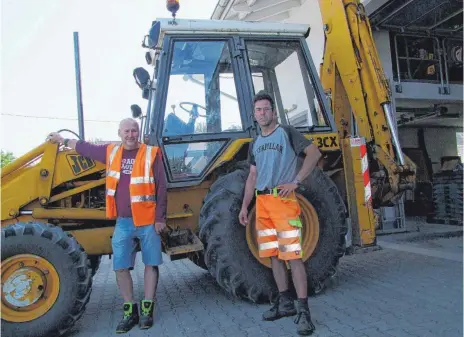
(129, 133)
(128, 122)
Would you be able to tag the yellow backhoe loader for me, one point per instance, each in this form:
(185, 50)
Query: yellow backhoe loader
(205, 74)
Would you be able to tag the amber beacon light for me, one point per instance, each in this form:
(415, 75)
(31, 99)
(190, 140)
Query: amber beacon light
(173, 6)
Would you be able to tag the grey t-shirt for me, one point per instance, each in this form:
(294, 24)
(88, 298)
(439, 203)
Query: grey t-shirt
(276, 156)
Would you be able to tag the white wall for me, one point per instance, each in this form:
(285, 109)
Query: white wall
(382, 42)
(408, 137)
(440, 142)
(309, 13)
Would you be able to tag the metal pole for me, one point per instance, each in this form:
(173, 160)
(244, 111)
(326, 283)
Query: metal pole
(392, 125)
(77, 64)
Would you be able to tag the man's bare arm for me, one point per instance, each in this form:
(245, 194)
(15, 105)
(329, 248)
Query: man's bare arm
(249, 187)
(312, 157)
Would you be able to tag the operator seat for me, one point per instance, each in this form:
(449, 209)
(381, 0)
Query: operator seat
(174, 126)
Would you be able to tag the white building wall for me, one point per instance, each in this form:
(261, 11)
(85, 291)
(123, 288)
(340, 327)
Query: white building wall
(382, 42)
(309, 13)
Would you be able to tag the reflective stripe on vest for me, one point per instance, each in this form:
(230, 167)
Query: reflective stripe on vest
(142, 198)
(146, 179)
(110, 173)
(113, 174)
(141, 180)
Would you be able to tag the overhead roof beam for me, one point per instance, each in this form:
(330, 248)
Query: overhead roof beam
(394, 12)
(276, 17)
(424, 15)
(264, 9)
(257, 5)
(446, 19)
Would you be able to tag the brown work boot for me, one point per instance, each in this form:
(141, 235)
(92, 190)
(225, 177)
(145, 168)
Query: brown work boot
(283, 307)
(130, 318)
(146, 314)
(305, 325)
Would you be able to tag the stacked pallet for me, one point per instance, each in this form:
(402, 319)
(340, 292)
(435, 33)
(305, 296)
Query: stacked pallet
(448, 196)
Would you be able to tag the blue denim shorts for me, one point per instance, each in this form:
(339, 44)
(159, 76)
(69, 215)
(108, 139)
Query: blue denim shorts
(124, 244)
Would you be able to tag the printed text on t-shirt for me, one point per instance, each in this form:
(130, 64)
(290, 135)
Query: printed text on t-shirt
(126, 165)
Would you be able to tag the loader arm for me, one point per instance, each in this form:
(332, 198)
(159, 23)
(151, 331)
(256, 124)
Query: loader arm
(354, 79)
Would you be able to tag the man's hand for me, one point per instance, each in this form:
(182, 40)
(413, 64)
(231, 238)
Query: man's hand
(243, 216)
(159, 227)
(55, 137)
(287, 189)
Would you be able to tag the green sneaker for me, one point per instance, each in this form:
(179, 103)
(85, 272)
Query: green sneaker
(146, 314)
(130, 318)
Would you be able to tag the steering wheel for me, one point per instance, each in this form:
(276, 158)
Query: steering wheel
(75, 134)
(194, 111)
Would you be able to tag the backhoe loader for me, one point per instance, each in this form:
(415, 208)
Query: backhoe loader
(199, 112)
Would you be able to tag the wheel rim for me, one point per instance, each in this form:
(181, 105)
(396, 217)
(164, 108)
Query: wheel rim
(30, 287)
(309, 233)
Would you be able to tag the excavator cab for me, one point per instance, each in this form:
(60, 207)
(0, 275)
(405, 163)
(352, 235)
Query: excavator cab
(204, 84)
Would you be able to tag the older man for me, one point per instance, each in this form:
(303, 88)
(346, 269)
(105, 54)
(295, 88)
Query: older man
(136, 197)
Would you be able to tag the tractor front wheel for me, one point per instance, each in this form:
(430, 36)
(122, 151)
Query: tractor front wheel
(46, 280)
(232, 255)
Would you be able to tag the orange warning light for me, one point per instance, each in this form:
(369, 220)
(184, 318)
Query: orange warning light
(172, 6)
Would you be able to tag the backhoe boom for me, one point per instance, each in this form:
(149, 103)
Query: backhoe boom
(353, 76)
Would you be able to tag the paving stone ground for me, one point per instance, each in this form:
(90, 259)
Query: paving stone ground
(377, 294)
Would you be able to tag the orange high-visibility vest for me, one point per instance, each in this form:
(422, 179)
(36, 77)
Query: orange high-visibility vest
(142, 183)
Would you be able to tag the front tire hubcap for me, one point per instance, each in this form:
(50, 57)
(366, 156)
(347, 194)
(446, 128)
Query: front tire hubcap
(30, 287)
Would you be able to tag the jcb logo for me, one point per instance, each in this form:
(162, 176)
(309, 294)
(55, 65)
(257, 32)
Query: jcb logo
(79, 163)
(327, 141)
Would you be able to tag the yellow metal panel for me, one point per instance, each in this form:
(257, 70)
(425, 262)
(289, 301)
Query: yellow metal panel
(95, 241)
(325, 141)
(72, 166)
(37, 172)
(361, 212)
(230, 152)
(20, 162)
(180, 215)
(79, 189)
(69, 213)
(47, 170)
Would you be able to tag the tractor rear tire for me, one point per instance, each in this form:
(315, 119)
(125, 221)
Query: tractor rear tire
(228, 257)
(67, 265)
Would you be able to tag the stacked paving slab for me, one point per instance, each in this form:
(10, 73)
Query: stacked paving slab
(448, 196)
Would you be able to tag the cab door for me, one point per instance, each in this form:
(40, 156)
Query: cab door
(200, 106)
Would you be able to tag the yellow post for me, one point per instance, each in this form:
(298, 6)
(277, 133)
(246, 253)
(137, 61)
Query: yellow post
(358, 189)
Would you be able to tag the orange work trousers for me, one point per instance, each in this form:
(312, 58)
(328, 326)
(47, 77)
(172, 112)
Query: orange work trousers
(278, 226)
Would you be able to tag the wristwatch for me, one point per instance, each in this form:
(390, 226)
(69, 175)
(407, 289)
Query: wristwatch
(65, 142)
(296, 181)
